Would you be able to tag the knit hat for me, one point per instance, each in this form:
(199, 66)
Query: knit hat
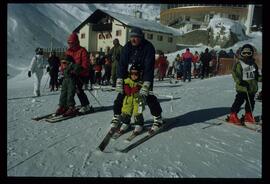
(136, 32)
(68, 59)
(73, 38)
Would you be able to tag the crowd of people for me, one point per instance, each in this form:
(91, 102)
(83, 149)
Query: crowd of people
(131, 70)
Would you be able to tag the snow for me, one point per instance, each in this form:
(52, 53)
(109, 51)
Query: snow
(217, 23)
(190, 148)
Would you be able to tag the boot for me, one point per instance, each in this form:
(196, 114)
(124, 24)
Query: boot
(115, 121)
(234, 119)
(71, 111)
(158, 122)
(249, 118)
(123, 128)
(85, 109)
(138, 129)
(60, 111)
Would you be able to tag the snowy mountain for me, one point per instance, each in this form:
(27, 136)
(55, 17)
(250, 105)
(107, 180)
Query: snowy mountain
(36, 25)
(194, 145)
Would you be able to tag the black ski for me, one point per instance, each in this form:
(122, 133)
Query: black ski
(107, 139)
(61, 117)
(143, 139)
(47, 116)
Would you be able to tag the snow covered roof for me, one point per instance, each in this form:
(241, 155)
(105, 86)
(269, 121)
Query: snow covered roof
(131, 21)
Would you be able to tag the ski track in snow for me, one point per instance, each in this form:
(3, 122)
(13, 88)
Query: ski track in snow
(193, 146)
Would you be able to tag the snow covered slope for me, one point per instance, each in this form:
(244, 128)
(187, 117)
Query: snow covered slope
(191, 147)
(35, 25)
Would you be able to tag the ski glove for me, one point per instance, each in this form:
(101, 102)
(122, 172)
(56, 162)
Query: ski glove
(145, 88)
(244, 84)
(29, 73)
(119, 86)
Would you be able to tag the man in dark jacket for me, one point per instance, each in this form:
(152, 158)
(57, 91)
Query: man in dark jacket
(54, 63)
(137, 51)
(205, 58)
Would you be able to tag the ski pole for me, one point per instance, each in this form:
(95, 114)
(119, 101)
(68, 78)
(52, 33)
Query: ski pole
(249, 104)
(46, 83)
(95, 98)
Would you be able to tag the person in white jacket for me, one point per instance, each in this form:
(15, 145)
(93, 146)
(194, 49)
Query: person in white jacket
(37, 66)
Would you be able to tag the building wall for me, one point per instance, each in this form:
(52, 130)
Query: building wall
(202, 13)
(92, 41)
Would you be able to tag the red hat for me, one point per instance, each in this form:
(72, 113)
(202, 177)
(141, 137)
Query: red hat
(73, 38)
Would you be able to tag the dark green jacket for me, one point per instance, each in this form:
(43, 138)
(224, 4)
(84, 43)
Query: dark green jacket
(77, 69)
(246, 72)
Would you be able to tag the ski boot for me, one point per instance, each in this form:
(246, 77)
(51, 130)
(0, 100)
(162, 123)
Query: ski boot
(85, 109)
(158, 122)
(70, 112)
(115, 121)
(249, 118)
(234, 119)
(60, 111)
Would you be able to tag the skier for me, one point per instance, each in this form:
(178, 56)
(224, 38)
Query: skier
(187, 59)
(54, 63)
(80, 57)
(205, 58)
(71, 72)
(162, 66)
(133, 103)
(98, 70)
(92, 70)
(107, 67)
(137, 50)
(246, 76)
(37, 66)
(196, 64)
(115, 53)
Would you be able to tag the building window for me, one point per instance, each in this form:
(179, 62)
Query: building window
(150, 36)
(82, 35)
(159, 37)
(100, 36)
(108, 36)
(233, 17)
(170, 39)
(118, 32)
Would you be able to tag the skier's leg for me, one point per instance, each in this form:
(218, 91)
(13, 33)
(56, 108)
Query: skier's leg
(80, 93)
(238, 102)
(117, 109)
(71, 90)
(250, 107)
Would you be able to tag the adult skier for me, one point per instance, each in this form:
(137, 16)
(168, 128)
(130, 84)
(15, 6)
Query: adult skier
(54, 63)
(137, 51)
(246, 76)
(80, 57)
(187, 59)
(115, 53)
(205, 58)
(37, 66)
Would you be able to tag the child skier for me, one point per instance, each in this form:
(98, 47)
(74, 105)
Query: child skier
(246, 76)
(66, 101)
(133, 103)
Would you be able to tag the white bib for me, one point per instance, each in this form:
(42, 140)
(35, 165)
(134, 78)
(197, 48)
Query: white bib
(248, 71)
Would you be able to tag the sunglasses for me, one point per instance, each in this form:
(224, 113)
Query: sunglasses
(246, 53)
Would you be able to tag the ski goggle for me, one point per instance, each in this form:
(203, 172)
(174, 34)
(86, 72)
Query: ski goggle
(246, 53)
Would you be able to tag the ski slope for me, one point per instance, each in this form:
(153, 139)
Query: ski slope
(190, 148)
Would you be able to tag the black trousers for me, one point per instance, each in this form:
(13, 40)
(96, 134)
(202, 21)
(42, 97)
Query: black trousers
(205, 70)
(240, 98)
(54, 78)
(79, 91)
(151, 101)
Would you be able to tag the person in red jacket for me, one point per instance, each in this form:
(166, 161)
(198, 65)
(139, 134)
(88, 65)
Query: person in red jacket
(80, 57)
(187, 58)
(162, 66)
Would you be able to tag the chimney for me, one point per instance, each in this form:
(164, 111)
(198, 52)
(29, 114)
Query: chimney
(138, 14)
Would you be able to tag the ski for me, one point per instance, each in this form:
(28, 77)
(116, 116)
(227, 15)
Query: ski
(143, 139)
(61, 117)
(107, 139)
(255, 127)
(47, 116)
